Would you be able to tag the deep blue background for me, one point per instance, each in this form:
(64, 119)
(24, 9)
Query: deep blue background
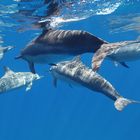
(65, 113)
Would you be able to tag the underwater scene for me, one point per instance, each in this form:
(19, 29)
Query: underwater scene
(70, 69)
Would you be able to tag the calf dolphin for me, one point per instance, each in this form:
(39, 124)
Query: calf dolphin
(118, 52)
(12, 80)
(75, 71)
(53, 46)
(4, 50)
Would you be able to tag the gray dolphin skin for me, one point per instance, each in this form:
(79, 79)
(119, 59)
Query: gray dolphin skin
(3, 50)
(12, 80)
(76, 71)
(119, 52)
(53, 46)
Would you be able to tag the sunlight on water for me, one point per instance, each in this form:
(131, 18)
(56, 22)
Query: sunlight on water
(84, 9)
(80, 10)
(20, 15)
(68, 11)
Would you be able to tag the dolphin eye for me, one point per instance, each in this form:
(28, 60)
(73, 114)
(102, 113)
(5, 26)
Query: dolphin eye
(52, 64)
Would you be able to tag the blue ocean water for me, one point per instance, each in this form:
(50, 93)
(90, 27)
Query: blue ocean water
(66, 113)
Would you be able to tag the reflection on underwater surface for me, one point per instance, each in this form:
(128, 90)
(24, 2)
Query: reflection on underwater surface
(56, 11)
(26, 15)
(130, 22)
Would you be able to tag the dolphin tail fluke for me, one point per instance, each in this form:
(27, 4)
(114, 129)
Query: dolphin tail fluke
(121, 103)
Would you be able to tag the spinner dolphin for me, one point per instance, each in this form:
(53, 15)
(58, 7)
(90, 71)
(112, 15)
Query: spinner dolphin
(75, 71)
(12, 80)
(119, 52)
(53, 46)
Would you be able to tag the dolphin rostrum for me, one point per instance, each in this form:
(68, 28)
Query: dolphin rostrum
(12, 80)
(119, 52)
(75, 71)
(53, 46)
(4, 50)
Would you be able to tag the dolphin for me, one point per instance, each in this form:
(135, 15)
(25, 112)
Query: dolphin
(53, 46)
(3, 50)
(76, 72)
(119, 52)
(13, 80)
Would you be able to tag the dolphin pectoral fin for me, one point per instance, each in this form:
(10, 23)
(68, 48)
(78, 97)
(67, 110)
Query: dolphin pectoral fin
(121, 63)
(31, 66)
(29, 86)
(55, 82)
(124, 64)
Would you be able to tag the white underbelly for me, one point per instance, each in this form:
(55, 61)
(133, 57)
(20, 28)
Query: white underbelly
(43, 59)
(66, 79)
(125, 57)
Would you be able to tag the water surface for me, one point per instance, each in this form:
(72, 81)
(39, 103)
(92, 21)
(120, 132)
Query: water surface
(66, 113)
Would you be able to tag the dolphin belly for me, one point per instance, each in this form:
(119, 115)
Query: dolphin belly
(126, 53)
(49, 58)
(66, 79)
(124, 57)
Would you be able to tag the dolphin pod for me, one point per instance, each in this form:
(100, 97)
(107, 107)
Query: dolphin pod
(76, 71)
(53, 46)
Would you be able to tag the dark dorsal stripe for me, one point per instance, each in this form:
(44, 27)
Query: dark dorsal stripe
(70, 38)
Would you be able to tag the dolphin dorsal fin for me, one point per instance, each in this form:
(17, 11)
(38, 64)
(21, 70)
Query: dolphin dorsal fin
(7, 70)
(77, 59)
